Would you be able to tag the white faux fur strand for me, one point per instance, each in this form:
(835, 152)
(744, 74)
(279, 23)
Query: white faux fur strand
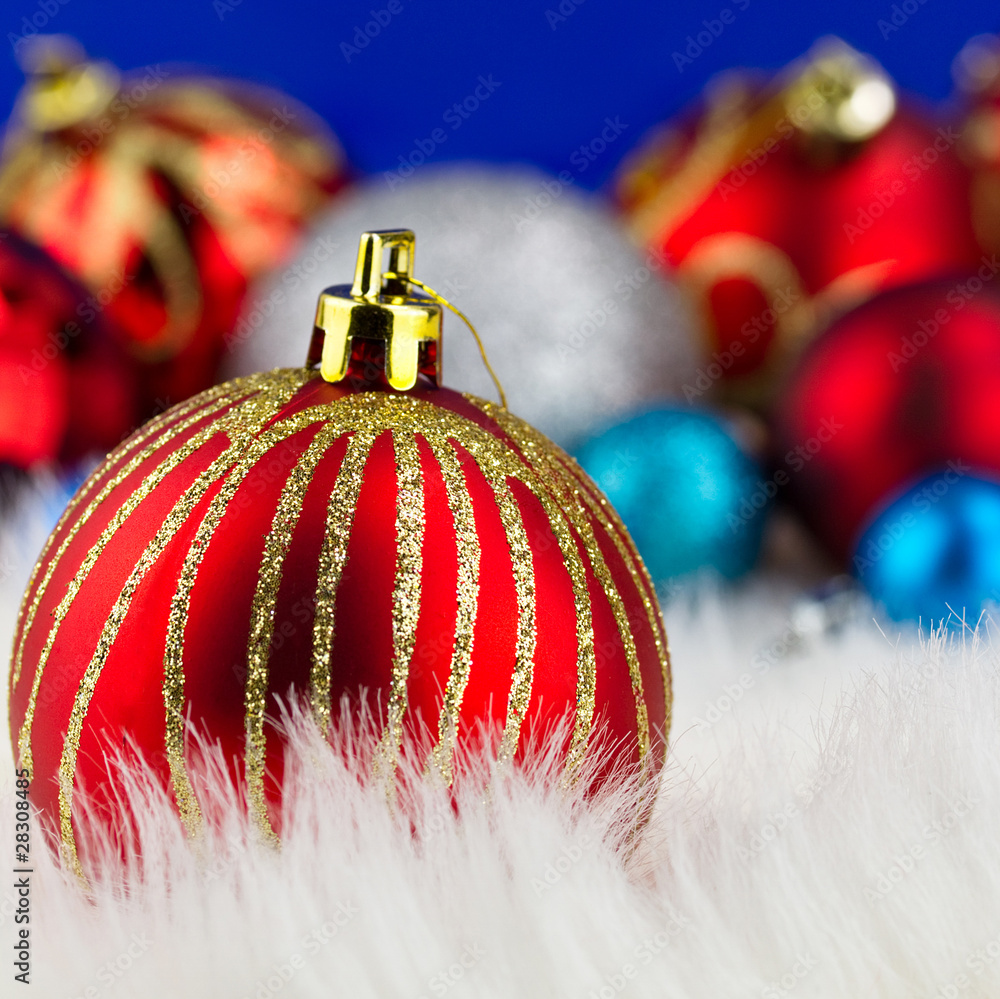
(826, 827)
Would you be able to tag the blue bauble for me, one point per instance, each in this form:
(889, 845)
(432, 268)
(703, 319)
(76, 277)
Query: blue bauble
(935, 550)
(690, 497)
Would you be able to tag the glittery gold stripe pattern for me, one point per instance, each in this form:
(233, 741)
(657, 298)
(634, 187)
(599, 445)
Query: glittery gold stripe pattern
(568, 489)
(249, 452)
(241, 427)
(272, 562)
(586, 666)
(611, 523)
(252, 429)
(564, 479)
(172, 461)
(205, 405)
(233, 465)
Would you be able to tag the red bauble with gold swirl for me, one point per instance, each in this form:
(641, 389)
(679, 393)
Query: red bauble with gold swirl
(786, 203)
(977, 73)
(165, 194)
(335, 537)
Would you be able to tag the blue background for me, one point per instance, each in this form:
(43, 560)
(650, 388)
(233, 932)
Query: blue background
(608, 58)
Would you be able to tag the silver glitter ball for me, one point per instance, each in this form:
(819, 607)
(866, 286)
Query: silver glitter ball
(579, 328)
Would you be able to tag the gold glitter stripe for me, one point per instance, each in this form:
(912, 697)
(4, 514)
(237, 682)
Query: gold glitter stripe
(136, 440)
(88, 683)
(405, 591)
(467, 590)
(262, 610)
(614, 598)
(29, 608)
(564, 477)
(523, 565)
(332, 559)
(242, 425)
(608, 518)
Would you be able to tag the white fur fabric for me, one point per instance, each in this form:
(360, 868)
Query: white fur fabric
(829, 831)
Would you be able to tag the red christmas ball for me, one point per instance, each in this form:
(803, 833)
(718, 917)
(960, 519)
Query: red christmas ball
(785, 203)
(413, 549)
(900, 387)
(977, 71)
(165, 194)
(66, 388)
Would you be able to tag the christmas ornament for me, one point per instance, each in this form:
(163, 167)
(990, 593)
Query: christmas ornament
(977, 73)
(934, 551)
(353, 531)
(585, 327)
(783, 204)
(688, 494)
(66, 388)
(164, 194)
(902, 385)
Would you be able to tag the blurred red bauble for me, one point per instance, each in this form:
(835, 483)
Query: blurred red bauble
(348, 530)
(784, 203)
(165, 194)
(977, 73)
(900, 387)
(66, 387)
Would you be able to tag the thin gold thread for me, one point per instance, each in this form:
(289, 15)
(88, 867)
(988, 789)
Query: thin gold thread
(465, 319)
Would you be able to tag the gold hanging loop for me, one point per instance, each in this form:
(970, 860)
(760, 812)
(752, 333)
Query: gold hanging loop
(431, 293)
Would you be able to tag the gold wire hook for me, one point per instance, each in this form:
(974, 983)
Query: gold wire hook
(461, 315)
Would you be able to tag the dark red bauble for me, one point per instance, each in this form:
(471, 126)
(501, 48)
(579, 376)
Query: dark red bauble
(67, 389)
(423, 549)
(165, 194)
(901, 386)
(785, 203)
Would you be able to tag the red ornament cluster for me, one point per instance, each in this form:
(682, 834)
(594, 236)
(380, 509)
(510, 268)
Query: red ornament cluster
(782, 205)
(911, 381)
